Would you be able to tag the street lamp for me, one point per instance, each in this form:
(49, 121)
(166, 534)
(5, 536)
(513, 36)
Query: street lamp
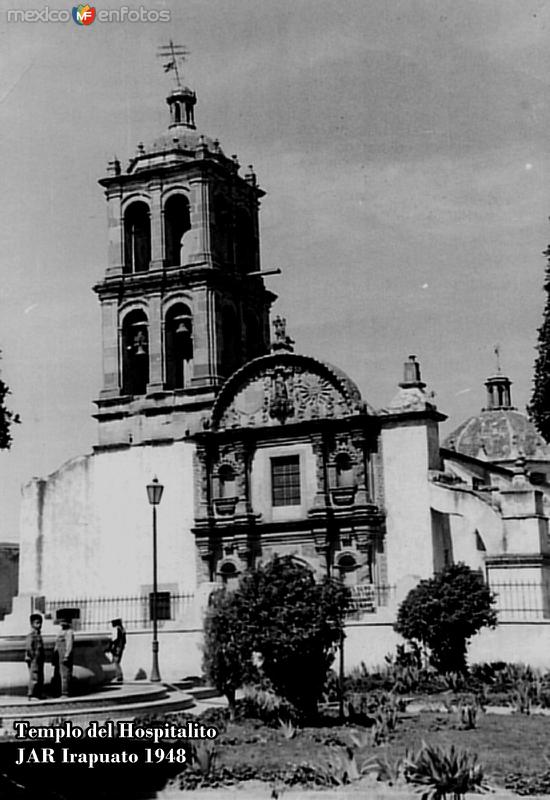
(154, 494)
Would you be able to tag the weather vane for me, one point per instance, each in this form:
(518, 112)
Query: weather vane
(171, 54)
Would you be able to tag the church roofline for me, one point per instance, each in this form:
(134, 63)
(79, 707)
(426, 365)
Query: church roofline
(489, 466)
(212, 161)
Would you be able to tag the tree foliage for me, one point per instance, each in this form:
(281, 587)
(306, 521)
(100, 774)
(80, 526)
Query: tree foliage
(292, 624)
(227, 652)
(540, 399)
(7, 418)
(442, 613)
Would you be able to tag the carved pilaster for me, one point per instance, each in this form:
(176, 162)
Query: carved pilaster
(318, 444)
(359, 446)
(202, 475)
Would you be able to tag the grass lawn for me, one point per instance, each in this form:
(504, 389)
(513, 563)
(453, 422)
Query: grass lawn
(504, 744)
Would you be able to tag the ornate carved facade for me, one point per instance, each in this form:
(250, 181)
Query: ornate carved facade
(300, 416)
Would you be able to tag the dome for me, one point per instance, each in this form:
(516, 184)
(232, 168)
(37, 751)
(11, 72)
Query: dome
(181, 137)
(498, 435)
(499, 432)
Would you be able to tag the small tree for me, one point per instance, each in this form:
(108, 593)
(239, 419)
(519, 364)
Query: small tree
(7, 418)
(540, 400)
(292, 622)
(227, 658)
(443, 612)
(296, 626)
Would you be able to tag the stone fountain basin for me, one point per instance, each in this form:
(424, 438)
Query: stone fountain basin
(92, 668)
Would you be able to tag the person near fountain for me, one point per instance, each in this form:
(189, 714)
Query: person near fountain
(117, 646)
(63, 657)
(34, 656)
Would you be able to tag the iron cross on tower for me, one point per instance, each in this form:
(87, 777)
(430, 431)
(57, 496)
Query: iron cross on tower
(173, 57)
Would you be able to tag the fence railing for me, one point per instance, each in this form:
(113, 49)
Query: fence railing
(135, 612)
(522, 600)
(366, 598)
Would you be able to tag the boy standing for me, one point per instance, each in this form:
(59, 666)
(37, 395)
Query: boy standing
(117, 645)
(34, 656)
(63, 656)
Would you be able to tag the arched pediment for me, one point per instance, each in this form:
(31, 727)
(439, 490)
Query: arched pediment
(284, 388)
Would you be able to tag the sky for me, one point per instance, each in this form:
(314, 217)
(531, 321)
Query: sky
(404, 148)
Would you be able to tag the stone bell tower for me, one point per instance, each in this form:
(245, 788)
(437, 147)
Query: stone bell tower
(183, 302)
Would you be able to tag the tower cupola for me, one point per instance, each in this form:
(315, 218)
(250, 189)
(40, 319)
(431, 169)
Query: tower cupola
(499, 396)
(182, 103)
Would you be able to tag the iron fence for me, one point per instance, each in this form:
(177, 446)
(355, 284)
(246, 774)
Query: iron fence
(522, 601)
(366, 598)
(135, 612)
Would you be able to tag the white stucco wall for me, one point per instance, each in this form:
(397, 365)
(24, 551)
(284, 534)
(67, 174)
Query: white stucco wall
(91, 534)
(405, 457)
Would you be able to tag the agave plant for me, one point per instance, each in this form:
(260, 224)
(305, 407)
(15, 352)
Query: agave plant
(444, 772)
(390, 772)
(467, 715)
(287, 728)
(342, 767)
(204, 755)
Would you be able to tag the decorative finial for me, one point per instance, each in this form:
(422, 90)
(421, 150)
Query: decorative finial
(411, 374)
(113, 167)
(172, 55)
(282, 340)
(250, 176)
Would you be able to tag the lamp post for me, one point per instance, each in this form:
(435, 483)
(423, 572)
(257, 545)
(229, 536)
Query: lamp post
(154, 494)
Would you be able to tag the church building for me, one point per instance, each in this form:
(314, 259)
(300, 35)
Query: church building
(261, 450)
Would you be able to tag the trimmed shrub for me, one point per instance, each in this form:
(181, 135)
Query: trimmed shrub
(444, 612)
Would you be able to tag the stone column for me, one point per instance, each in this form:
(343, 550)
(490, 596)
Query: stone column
(200, 220)
(359, 445)
(157, 226)
(115, 223)
(156, 348)
(205, 371)
(109, 335)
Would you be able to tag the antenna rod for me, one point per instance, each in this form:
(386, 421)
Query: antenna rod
(175, 63)
(274, 271)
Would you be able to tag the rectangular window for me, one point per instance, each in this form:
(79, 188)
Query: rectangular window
(285, 481)
(163, 605)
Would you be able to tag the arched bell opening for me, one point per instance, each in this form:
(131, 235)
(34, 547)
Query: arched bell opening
(135, 353)
(177, 222)
(137, 237)
(179, 347)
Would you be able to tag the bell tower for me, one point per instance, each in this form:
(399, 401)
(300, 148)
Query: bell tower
(183, 302)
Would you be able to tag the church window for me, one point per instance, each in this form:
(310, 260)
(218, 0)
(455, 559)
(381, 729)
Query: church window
(229, 574)
(226, 477)
(178, 332)
(285, 481)
(344, 470)
(135, 353)
(137, 237)
(347, 566)
(480, 544)
(177, 222)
